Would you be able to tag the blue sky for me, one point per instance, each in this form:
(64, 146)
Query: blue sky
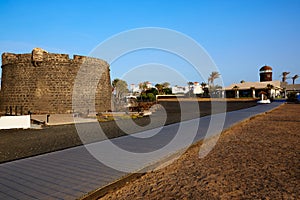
(240, 36)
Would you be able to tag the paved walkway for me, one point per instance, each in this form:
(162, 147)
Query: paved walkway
(71, 173)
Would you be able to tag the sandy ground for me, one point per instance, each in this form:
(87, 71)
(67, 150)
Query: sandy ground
(16, 144)
(257, 159)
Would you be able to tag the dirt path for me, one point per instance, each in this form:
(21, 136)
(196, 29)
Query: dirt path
(257, 159)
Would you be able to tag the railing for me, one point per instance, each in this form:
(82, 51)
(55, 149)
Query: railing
(15, 110)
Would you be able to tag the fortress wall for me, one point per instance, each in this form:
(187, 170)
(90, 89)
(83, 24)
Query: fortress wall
(43, 82)
(15, 58)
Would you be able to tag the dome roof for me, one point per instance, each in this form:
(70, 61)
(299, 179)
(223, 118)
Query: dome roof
(264, 68)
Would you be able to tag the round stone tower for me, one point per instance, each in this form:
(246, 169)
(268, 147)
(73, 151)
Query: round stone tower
(41, 82)
(265, 73)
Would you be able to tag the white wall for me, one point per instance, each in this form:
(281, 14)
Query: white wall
(180, 90)
(198, 89)
(9, 122)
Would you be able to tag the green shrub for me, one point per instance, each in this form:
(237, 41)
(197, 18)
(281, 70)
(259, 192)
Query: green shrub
(151, 96)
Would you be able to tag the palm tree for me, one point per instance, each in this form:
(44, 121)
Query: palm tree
(214, 75)
(121, 89)
(165, 85)
(159, 88)
(203, 84)
(270, 86)
(205, 89)
(143, 86)
(120, 86)
(190, 83)
(294, 78)
(115, 87)
(284, 76)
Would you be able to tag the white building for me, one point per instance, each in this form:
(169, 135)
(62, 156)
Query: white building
(180, 89)
(252, 89)
(196, 88)
(134, 88)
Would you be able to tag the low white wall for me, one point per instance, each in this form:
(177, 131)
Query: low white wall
(9, 122)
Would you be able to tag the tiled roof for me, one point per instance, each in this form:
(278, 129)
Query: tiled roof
(256, 85)
(265, 68)
(293, 87)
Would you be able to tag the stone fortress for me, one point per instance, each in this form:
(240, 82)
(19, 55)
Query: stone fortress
(43, 83)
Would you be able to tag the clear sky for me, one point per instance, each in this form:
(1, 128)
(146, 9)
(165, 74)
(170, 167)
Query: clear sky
(240, 35)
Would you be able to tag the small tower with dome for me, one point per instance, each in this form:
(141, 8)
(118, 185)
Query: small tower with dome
(265, 73)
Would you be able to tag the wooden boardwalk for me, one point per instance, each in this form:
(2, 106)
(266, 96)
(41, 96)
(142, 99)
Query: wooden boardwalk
(74, 172)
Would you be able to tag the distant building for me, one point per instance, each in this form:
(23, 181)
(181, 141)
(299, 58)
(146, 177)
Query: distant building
(252, 89)
(288, 88)
(149, 85)
(265, 73)
(137, 89)
(180, 89)
(292, 88)
(134, 88)
(196, 88)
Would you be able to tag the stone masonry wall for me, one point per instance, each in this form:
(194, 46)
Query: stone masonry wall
(43, 82)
